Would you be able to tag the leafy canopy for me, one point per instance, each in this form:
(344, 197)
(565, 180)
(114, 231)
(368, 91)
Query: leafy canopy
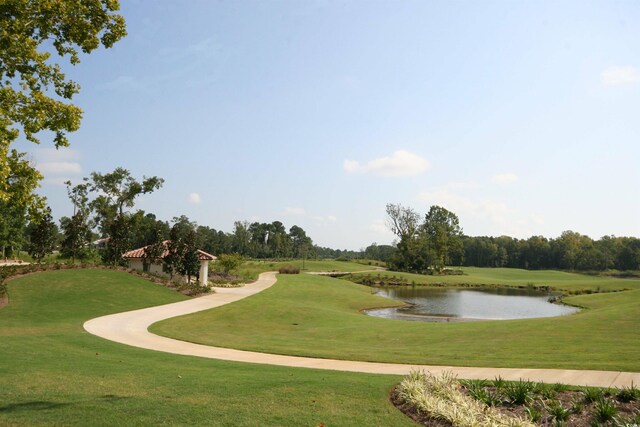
(34, 92)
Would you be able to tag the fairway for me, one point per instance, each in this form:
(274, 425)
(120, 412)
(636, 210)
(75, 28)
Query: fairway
(305, 315)
(560, 280)
(54, 373)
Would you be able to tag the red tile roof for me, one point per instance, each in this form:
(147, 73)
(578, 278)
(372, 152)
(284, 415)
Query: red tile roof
(139, 253)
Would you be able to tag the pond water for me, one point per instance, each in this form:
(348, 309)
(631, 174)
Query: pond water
(467, 304)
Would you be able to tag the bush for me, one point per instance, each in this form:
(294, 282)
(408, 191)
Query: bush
(288, 269)
(229, 262)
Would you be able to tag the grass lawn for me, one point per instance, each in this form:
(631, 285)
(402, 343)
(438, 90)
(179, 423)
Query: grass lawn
(318, 316)
(517, 277)
(250, 270)
(52, 372)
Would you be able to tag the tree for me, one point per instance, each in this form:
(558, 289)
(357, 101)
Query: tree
(189, 264)
(21, 178)
(155, 249)
(42, 236)
(76, 237)
(33, 88)
(118, 190)
(403, 222)
(443, 234)
(77, 229)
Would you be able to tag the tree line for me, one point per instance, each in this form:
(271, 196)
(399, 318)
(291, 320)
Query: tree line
(104, 223)
(428, 244)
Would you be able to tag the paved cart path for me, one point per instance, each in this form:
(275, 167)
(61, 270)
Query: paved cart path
(131, 328)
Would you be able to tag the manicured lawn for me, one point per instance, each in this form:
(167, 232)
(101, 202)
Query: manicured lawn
(52, 372)
(318, 316)
(518, 277)
(328, 265)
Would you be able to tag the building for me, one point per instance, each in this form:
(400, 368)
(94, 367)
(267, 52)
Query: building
(137, 261)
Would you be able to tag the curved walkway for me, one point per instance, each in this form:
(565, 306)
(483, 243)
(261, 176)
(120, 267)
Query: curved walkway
(131, 328)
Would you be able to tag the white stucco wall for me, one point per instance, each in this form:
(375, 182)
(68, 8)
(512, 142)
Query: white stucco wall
(137, 264)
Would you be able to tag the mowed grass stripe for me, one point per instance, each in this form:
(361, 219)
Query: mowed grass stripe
(317, 316)
(52, 372)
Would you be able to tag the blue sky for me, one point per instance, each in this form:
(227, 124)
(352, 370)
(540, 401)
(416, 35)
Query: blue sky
(520, 117)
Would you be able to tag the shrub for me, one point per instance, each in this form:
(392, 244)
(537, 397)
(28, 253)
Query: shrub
(558, 412)
(519, 393)
(592, 394)
(604, 411)
(628, 394)
(229, 262)
(288, 269)
(441, 398)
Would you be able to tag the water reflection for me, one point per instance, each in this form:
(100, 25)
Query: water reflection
(455, 304)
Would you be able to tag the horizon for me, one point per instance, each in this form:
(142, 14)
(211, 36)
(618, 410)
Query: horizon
(519, 118)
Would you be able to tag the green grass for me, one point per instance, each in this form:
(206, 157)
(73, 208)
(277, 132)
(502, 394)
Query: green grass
(517, 277)
(318, 316)
(250, 270)
(327, 265)
(52, 372)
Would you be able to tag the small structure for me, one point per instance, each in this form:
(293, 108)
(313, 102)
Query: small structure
(138, 261)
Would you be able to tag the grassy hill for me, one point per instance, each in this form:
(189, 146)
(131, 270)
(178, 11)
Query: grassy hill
(318, 316)
(52, 372)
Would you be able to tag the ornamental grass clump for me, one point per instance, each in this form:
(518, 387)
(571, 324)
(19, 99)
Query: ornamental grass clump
(289, 269)
(441, 398)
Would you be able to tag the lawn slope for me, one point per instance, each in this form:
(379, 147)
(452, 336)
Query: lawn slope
(52, 372)
(318, 316)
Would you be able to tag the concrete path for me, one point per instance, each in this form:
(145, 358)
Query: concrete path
(131, 328)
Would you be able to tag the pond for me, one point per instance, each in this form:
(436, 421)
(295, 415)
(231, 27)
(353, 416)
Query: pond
(468, 304)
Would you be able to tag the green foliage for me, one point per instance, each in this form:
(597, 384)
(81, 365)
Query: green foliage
(628, 394)
(604, 410)
(519, 392)
(534, 414)
(77, 236)
(33, 88)
(592, 394)
(558, 412)
(42, 236)
(427, 246)
(229, 262)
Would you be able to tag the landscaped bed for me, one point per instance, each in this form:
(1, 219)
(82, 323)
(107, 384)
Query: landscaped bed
(445, 402)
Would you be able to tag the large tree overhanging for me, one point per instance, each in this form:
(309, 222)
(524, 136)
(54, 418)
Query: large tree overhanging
(34, 92)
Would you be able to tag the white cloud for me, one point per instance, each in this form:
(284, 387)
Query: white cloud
(50, 161)
(322, 220)
(194, 198)
(294, 211)
(55, 155)
(60, 167)
(58, 181)
(505, 178)
(616, 75)
(498, 218)
(463, 185)
(400, 163)
(379, 227)
(496, 212)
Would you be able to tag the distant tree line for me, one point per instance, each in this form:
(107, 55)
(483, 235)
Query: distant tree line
(570, 251)
(427, 244)
(104, 223)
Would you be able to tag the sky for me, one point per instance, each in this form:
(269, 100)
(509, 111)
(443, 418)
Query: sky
(523, 118)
